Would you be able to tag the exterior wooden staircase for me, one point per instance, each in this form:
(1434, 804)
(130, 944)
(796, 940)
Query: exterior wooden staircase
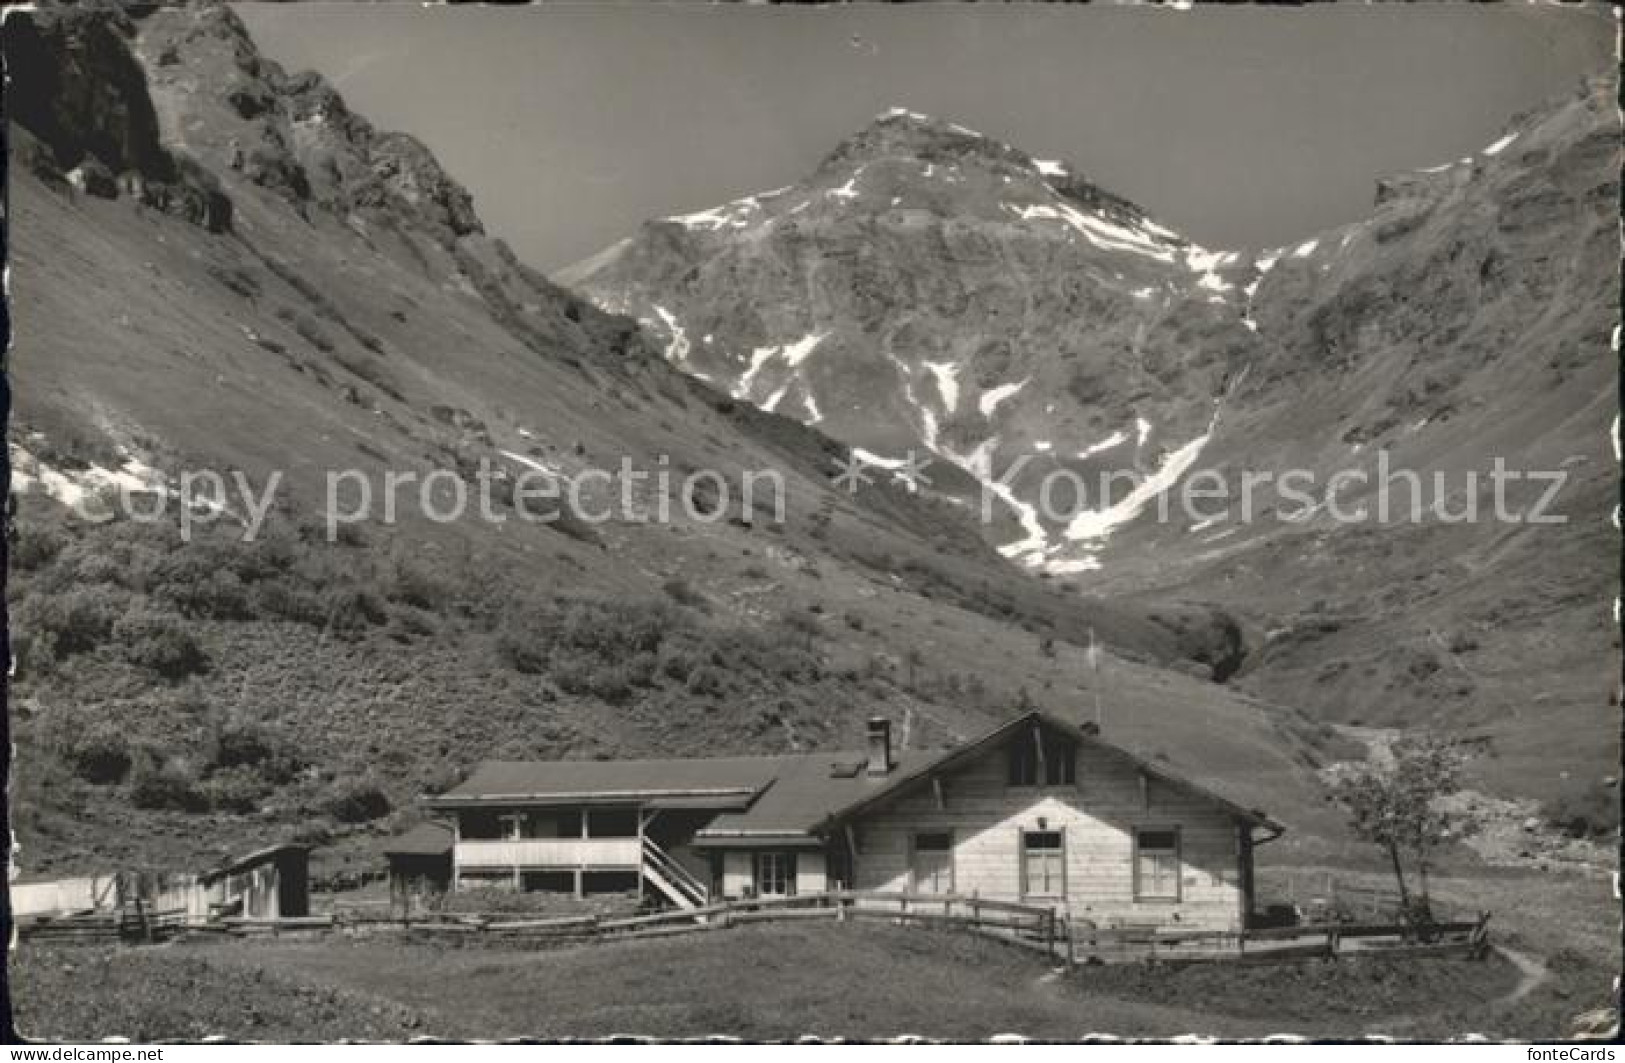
(672, 879)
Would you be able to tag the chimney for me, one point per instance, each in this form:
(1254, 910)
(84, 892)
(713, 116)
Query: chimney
(880, 762)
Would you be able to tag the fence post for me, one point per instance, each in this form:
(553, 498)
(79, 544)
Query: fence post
(1049, 932)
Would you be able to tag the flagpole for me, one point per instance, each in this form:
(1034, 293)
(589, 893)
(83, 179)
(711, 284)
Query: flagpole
(1094, 664)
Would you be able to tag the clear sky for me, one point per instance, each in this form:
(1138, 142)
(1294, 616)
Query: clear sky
(1239, 126)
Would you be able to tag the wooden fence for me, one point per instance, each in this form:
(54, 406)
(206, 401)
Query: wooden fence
(1038, 928)
(1323, 897)
(127, 924)
(1026, 924)
(1329, 940)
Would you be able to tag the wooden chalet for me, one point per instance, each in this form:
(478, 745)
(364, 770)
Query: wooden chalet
(1037, 811)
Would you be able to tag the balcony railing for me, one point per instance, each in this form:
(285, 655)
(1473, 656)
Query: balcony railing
(551, 853)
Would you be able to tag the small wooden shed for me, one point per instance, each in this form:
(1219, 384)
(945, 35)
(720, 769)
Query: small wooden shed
(419, 864)
(271, 883)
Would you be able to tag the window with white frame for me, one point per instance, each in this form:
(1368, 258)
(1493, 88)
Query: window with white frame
(1156, 864)
(1043, 863)
(775, 874)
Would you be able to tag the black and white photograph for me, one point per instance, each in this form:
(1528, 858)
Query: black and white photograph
(947, 523)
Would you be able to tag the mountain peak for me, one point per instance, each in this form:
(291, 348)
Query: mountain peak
(899, 131)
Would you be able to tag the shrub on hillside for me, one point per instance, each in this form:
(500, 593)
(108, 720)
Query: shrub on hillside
(165, 784)
(414, 584)
(585, 677)
(248, 746)
(312, 832)
(35, 545)
(78, 620)
(1586, 812)
(234, 790)
(522, 654)
(800, 623)
(350, 610)
(679, 591)
(706, 681)
(208, 591)
(159, 643)
(101, 755)
(357, 801)
(282, 601)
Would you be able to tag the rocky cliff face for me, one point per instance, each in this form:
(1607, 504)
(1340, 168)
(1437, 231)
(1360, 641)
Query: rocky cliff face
(79, 100)
(929, 288)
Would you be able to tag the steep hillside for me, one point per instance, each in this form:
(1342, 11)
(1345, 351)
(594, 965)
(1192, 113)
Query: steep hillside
(1465, 324)
(333, 305)
(929, 287)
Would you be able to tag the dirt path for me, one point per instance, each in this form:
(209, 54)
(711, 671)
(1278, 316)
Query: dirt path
(1531, 973)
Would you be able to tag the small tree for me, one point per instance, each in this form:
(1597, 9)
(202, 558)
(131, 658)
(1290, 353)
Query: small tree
(1397, 804)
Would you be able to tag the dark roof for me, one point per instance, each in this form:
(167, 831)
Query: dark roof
(723, 781)
(285, 851)
(770, 798)
(786, 794)
(899, 780)
(425, 839)
(810, 788)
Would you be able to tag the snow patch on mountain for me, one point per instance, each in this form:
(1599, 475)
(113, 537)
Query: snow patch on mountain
(677, 349)
(979, 463)
(791, 355)
(1117, 438)
(947, 383)
(850, 189)
(989, 402)
(539, 466)
(1206, 265)
(75, 487)
(1098, 231)
(735, 214)
(1095, 525)
(1501, 145)
(1050, 167)
(869, 457)
(929, 429)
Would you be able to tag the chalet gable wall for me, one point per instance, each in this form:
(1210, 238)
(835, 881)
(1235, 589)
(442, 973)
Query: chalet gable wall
(1098, 816)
